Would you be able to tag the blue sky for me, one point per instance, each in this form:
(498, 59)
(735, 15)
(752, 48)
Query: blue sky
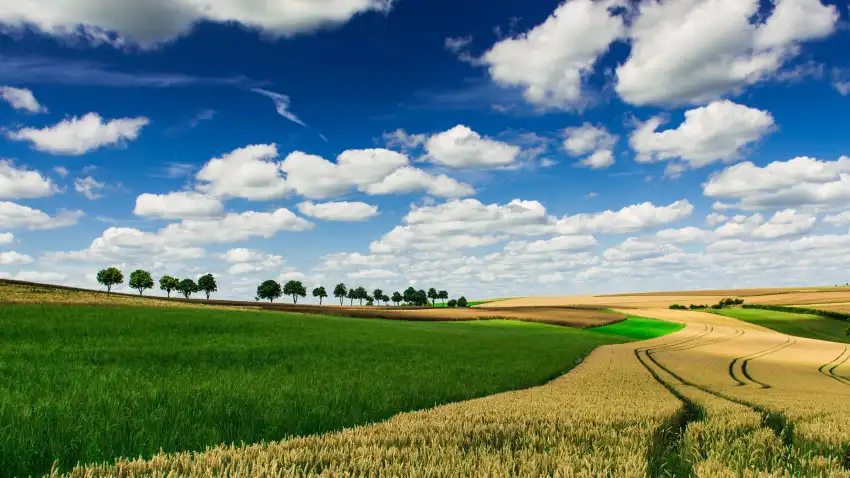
(489, 148)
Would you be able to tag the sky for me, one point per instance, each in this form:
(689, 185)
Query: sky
(491, 148)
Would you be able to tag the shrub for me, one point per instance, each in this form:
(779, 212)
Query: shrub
(716, 306)
(678, 307)
(452, 303)
(698, 307)
(801, 310)
(462, 302)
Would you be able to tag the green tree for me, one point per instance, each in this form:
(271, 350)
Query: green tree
(362, 294)
(110, 277)
(270, 290)
(140, 280)
(296, 289)
(378, 294)
(168, 284)
(386, 299)
(421, 298)
(340, 292)
(187, 287)
(321, 293)
(397, 298)
(443, 295)
(452, 303)
(433, 295)
(462, 302)
(370, 301)
(352, 294)
(410, 295)
(207, 284)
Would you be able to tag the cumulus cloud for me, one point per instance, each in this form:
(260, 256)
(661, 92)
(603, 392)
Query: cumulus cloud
(692, 51)
(88, 187)
(587, 139)
(6, 238)
(550, 62)
(717, 132)
(250, 261)
(23, 183)
(16, 216)
(460, 147)
(12, 258)
(372, 274)
(178, 205)
(630, 219)
(339, 211)
(21, 99)
(152, 23)
(403, 140)
(234, 227)
(39, 276)
(77, 136)
(799, 182)
(555, 244)
(249, 173)
(409, 180)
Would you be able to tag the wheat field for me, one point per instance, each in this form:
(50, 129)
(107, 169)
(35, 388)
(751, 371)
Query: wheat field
(719, 398)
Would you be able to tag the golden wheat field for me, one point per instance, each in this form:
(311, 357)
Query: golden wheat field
(720, 398)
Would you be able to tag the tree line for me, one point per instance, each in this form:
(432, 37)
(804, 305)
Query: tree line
(141, 280)
(270, 290)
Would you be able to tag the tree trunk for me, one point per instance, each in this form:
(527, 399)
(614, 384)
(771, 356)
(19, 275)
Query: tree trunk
(320, 301)
(108, 288)
(169, 293)
(340, 301)
(271, 299)
(208, 296)
(294, 299)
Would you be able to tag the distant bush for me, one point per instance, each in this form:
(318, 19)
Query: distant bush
(678, 307)
(801, 310)
(462, 302)
(716, 306)
(729, 302)
(452, 303)
(698, 307)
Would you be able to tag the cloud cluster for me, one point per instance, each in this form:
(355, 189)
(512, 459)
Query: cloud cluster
(21, 99)
(587, 139)
(22, 183)
(77, 136)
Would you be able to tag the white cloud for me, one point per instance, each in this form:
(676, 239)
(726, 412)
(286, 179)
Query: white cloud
(59, 170)
(555, 244)
(693, 51)
(842, 87)
(714, 219)
(21, 99)
(372, 274)
(339, 211)
(460, 147)
(782, 224)
(586, 139)
(77, 136)
(249, 173)
(717, 132)
(40, 277)
(344, 260)
(630, 219)
(234, 227)
(799, 182)
(633, 249)
(16, 216)
(88, 187)
(550, 61)
(178, 205)
(840, 219)
(403, 140)
(151, 23)
(121, 244)
(6, 238)
(249, 261)
(23, 183)
(281, 104)
(409, 180)
(12, 258)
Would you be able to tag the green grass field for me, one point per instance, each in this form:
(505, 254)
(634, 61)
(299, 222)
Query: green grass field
(92, 383)
(801, 325)
(639, 328)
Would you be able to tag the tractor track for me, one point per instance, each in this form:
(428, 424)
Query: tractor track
(837, 362)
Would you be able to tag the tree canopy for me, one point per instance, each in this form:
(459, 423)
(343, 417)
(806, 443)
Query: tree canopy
(397, 298)
(140, 280)
(270, 290)
(168, 284)
(462, 302)
(207, 284)
(340, 292)
(187, 287)
(321, 293)
(110, 277)
(295, 289)
(433, 295)
(378, 294)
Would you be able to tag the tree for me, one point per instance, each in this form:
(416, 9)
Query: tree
(386, 299)
(352, 294)
(340, 292)
(410, 295)
(168, 283)
(110, 277)
(379, 295)
(370, 300)
(443, 295)
(397, 298)
(462, 302)
(187, 287)
(320, 292)
(433, 295)
(270, 290)
(421, 298)
(207, 284)
(296, 289)
(140, 280)
(361, 294)
(452, 303)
